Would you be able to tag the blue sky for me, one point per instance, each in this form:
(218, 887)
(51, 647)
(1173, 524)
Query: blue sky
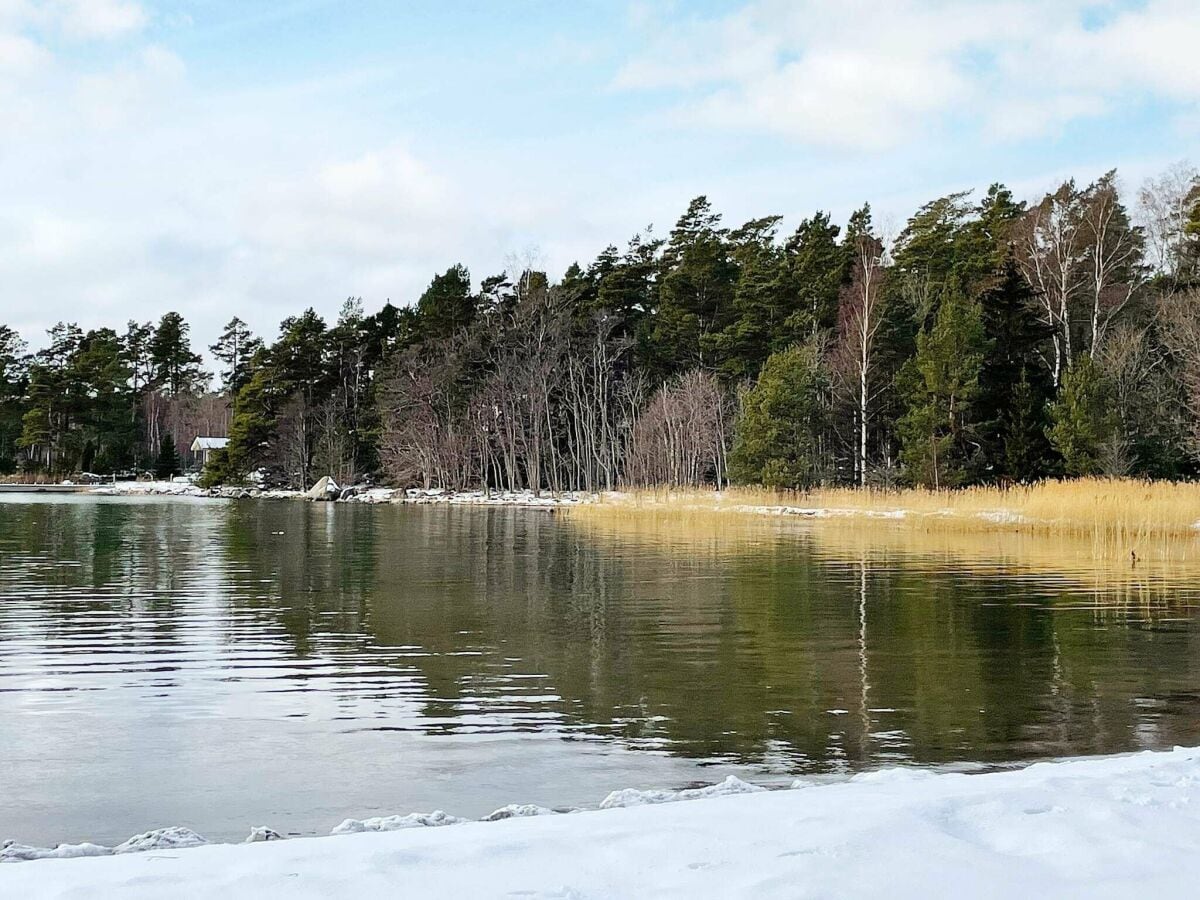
(243, 158)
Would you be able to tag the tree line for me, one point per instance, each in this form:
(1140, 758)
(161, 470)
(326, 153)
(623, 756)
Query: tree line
(990, 340)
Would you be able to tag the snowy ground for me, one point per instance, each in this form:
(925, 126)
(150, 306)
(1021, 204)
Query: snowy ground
(1108, 827)
(367, 495)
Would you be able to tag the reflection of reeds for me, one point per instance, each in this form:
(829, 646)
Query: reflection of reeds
(1122, 526)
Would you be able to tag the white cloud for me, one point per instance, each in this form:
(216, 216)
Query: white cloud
(96, 19)
(20, 55)
(371, 208)
(134, 184)
(116, 97)
(872, 74)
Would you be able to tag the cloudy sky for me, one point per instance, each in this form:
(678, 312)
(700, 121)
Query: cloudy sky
(226, 157)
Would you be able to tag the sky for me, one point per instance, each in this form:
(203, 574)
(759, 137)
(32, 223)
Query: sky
(231, 157)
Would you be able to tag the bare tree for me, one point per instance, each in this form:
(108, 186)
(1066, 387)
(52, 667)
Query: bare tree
(681, 438)
(333, 447)
(297, 432)
(860, 316)
(1052, 245)
(1114, 250)
(1179, 321)
(1164, 204)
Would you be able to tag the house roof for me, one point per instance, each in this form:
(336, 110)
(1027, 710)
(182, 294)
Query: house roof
(209, 443)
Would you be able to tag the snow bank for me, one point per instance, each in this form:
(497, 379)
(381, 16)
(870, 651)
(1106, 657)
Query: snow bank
(470, 498)
(149, 488)
(396, 823)
(159, 839)
(516, 810)
(630, 797)
(1108, 827)
(329, 490)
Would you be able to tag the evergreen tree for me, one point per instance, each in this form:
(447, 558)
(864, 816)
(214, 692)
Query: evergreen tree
(275, 423)
(940, 446)
(627, 288)
(816, 269)
(1012, 428)
(137, 354)
(176, 369)
(447, 304)
(760, 301)
(166, 463)
(235, 348)
(1082, 418)
(927, 254)
(782, 436)
(695, 296)
(1026, 452)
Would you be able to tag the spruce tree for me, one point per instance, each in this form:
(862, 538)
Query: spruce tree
(166, 464)
(1025, 451)
(938, 433)
(1012, 366)
(1082, 418)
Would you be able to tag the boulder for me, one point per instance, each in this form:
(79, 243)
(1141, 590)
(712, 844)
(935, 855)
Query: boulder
(325, 489)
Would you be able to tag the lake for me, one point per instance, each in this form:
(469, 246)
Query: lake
(224, 664)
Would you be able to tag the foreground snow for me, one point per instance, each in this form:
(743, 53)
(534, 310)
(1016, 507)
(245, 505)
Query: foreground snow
(1109, 827)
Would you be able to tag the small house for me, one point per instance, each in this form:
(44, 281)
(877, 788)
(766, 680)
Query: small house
(202, 446)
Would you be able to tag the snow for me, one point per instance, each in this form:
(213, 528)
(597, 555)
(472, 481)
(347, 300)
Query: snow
(471, 498)
(359, 494)
(150, 488)
(630, 797)
(516, 810)
(159, 839)
(434, 819)
(1108, 827)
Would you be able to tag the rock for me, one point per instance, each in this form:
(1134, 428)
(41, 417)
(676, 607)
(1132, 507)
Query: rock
(243, 495)
(347, 493)
(260, 833)
(325, 489)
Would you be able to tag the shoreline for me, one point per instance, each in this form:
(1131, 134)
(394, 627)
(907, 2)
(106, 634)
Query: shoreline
(372, 495)
(1120, 516)
(1098, 826)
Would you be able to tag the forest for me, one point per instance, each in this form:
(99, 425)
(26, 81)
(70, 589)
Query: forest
(989, 340)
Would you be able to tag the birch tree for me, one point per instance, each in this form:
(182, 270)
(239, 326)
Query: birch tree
(860, 318)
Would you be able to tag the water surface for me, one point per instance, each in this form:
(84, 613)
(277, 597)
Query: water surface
(225, 664)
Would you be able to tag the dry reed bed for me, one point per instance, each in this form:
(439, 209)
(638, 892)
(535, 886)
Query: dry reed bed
(1122, 520)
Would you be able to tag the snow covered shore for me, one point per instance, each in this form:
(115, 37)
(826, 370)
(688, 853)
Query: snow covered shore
(1124, 826)
(358, 495)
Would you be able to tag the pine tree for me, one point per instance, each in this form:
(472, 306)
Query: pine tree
(176, 368)
(447, 304)
(235, 348)
(782, 437)
(695, 296)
